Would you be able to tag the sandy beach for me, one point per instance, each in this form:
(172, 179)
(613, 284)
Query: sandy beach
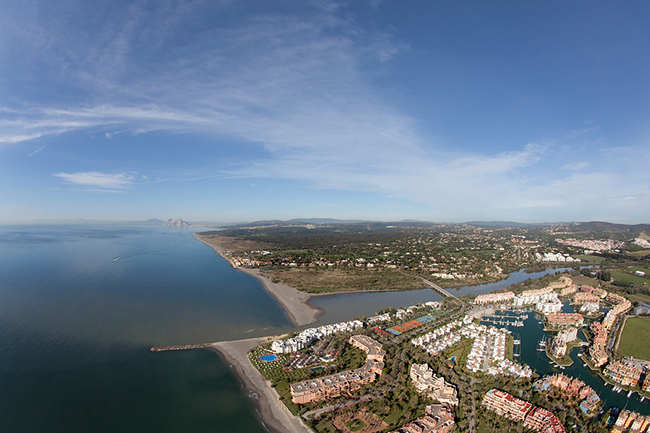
(273, 413)
(293, 301)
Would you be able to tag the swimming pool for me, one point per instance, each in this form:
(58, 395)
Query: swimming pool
(268, 358)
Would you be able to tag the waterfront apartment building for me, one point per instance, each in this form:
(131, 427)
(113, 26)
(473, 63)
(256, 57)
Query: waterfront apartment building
(558, 348)
(559, 343)
(506, 297)
(309, 335)
(351, 380)
(533, 296)
(425, 381)
(565, 320)
(633, 421)
(626, 375)
(550, 305)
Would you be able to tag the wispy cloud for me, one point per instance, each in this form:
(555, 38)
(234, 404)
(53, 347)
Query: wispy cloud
(296, 86)
(576, 165)
(95, 179)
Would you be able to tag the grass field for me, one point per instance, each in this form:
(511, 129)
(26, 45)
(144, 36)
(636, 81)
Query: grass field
(618, 275)
(338, 280)
(635, 338)
(581, 280)
(638, 297)
(641, 253)
(591, 259)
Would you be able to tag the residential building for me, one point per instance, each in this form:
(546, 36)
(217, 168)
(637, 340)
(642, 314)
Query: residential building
(437, 419)
(590, 308)
(335, 384)
(506, 405)
(564, 320)
(425, 381)
(506, 297)
(583, 297)
(626, 375)
(543, 421)
(642, 309)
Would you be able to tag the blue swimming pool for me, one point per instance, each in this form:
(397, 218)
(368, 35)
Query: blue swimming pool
(268, 358)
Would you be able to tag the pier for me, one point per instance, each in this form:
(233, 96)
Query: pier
(183, 347)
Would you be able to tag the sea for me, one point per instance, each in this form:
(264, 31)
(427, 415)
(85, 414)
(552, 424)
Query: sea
(81, 305)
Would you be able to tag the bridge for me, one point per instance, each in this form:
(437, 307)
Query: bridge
(434, 287)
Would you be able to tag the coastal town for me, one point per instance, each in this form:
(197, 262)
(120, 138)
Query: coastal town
(457, 364)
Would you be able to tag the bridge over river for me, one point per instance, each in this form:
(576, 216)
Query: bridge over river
(434, 287)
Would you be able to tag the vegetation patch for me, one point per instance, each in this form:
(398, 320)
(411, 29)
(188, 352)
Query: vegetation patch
(623, 276)
(342, 280)
(635, 337)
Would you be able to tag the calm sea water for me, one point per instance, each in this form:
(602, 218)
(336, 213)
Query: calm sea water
(76, 328)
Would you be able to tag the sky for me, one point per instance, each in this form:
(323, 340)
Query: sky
(228, 111)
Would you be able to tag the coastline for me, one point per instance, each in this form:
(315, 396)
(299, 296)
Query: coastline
(273, 414)
(293, 301)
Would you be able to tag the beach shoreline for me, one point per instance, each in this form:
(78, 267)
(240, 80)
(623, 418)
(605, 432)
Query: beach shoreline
(273, 414)
(294, 302)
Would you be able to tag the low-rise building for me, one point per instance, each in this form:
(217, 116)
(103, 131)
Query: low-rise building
(590, 308)
(543, 421)
(642, 309)
(626, 375)
(550, 305)
(583, 297)
(437, 419)
(564, 320)
(506, 405)
(335, 384)
(494, 298)
(568, 290)
(558, 348)
(425, 381)
(530, 297)
(535, 418)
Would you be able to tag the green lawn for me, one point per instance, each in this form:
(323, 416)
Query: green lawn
(618, 275)
(591, 259)
(641, 253)
(635, 338)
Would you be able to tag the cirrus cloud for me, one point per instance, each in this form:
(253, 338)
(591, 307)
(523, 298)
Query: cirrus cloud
(95, 179)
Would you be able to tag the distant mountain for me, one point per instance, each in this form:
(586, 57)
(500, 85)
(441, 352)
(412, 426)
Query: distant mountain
(613, 230)
(176, 223)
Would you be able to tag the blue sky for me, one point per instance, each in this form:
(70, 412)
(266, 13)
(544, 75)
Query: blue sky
(230, 111)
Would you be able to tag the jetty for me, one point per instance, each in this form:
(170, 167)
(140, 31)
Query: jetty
(183, 347)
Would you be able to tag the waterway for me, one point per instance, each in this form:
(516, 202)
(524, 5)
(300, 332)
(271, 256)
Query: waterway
(533, 331)
(346, 306)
